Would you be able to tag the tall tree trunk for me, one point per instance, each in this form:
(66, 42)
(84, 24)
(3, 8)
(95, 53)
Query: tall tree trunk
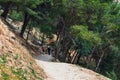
(58, 45)
(68, 57)
(65, 55)
(74, 56)
(60, 34)
(25, 23)
(90, 57)
(66, 50)
(6, 9)
(43, 38)
(79, 56)
(58, 49)
(101, 57)
(29, 29)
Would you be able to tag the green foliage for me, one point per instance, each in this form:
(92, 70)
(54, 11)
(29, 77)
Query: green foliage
(85, 38)
(20, 73)
(82, 32)
(46, 29)
(3, 59)
(98, 26)
(16, 56)
(112, 75)
(32, 24)
(5, 76)
(18, 16)
(34, 73)
(33, 3)
(33, 13)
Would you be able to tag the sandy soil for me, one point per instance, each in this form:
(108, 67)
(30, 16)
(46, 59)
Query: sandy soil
(64, 71)
(17, 55)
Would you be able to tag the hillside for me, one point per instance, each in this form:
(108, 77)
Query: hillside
(16, 63)
(59, 39)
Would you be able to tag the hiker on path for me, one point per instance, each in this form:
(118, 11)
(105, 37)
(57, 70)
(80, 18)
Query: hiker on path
(49, 50)
(43, 49)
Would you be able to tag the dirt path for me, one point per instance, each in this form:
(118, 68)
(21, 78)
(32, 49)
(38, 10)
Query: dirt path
(64, 71)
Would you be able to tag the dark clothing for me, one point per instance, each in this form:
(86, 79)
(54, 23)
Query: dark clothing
(48, 49)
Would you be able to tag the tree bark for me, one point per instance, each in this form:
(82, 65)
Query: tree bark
(68, 57)
(6, 9)
(58, 49)
(79, 55)
(75, 59)
(58, 46)
(43, 38)
(25, 23)
(66, 50)
(74, 56)
(29, 29)
(90, 57)
(101, 57)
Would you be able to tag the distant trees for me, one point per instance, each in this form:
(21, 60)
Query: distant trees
(34, 10)
(7, 5)
(101, 20)
(95, 28)
(28, 10)
(28, 7)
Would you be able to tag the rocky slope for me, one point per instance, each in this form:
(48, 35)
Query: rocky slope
(16, 63)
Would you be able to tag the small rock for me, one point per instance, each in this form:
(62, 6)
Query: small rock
(10, 51)
(13, 37)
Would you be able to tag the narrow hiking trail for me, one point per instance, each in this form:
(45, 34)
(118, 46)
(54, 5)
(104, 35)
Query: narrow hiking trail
(64, 71)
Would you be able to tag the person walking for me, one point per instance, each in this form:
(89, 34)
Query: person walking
(43, 49)
(49, 50)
